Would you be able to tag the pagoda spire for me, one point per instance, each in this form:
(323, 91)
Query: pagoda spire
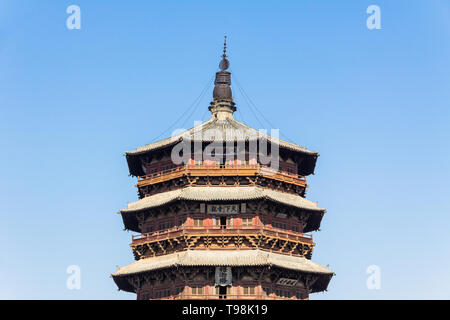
(222, 105)
(224, 64)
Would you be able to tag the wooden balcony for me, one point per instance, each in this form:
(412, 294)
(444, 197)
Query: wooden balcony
(204, 170)
(214, 231)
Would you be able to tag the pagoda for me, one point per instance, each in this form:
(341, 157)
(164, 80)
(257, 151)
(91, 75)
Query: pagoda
(216, 219)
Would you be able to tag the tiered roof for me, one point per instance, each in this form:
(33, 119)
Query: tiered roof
(221, 194)
(228, 129)
(216, 193)
(226, 258)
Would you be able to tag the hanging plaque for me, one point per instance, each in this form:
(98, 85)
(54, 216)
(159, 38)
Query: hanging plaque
(223, 276)
(287, 282)
(222, 208)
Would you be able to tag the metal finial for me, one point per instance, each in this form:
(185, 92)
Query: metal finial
(224, 64)
(224, 46)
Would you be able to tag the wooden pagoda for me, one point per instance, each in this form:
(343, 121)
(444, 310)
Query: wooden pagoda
(222, 227)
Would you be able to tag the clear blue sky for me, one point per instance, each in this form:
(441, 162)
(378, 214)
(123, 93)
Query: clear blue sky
(374, 103)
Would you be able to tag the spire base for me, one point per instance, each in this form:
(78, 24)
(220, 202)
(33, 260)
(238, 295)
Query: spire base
(222, 109)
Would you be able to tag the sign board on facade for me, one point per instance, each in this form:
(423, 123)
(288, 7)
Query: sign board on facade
(222, 208)
(287, 282)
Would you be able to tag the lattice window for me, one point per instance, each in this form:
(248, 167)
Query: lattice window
(196, 290)
(198, 222)
(249, 290)
(247, 221)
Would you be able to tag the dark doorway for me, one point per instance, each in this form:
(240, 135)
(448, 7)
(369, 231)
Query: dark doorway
(223, 222)
(222, 292)
(222, 162)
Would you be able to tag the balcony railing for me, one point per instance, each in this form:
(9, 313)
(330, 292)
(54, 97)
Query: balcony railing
(189, 230)
(221, 170)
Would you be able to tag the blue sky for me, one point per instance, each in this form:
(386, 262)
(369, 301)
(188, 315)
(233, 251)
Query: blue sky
(374, 103)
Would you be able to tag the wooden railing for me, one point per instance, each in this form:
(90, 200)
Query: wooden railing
(221, 170)
(182, 230)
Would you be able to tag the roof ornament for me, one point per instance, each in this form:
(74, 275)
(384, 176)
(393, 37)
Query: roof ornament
(222, 106)
(224, 46)
(224, 64)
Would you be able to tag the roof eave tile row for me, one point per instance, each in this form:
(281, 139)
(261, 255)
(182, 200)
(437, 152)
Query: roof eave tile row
(208, 194)
(222, 258)
(240, 132)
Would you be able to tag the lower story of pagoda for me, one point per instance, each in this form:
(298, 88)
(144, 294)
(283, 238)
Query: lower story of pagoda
(215, 274)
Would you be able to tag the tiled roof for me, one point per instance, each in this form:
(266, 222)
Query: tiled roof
(222, 258)
(227, 129)
(221, 193)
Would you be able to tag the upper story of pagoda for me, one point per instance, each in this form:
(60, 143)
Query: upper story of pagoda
(221, 151)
